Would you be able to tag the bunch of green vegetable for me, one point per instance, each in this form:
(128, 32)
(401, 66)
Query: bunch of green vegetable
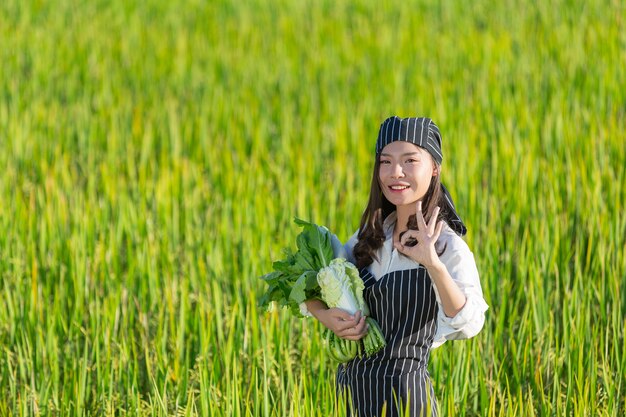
(313, 272)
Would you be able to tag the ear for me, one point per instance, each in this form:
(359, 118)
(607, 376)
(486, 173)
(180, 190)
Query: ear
(436, 169)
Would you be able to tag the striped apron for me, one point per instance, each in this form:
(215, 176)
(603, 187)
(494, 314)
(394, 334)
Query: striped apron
(396, 378)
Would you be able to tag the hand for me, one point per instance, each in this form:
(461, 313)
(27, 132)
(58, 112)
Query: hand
(343, 324)
(427, 234)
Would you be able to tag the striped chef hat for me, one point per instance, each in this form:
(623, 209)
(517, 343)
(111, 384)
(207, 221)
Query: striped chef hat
(420, 131)
(423, 132)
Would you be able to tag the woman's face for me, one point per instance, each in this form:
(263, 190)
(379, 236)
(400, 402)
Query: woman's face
(405, 173)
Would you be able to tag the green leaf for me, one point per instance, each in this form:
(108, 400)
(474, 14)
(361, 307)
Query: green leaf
(272, 277)
(294, 278)
(315, 241)
(311, 280)
(305, 261)
(273, 293)
(298, 290)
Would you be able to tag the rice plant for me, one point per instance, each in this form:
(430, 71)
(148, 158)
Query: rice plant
(154, 154)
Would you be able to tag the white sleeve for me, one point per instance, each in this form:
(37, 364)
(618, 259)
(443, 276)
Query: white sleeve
(461, 266)
(304, 310)
(339, 251)
(349, 247)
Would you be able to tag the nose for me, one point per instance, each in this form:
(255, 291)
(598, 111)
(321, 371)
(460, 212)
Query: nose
(397, 171)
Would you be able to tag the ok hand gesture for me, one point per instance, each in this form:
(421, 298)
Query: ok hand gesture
(427, 234)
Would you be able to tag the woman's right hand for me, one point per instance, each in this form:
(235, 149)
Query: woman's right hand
(343, 324)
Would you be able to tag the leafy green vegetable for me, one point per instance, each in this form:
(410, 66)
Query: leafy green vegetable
(294, 279)
(312, 272)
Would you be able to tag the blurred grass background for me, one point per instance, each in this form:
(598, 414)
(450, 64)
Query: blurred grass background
(154, 154)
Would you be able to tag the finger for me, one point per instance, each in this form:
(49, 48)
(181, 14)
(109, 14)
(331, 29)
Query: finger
(357, 330)
(410, 234)
(421, 223)
(341, 320)
(362, 327)
(438, 230)
(401, 248)
(354, 336)
(341, 326)
(352, 331)
(433, 221)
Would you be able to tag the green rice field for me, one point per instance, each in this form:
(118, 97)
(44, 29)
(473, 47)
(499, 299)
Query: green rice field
(154, 153)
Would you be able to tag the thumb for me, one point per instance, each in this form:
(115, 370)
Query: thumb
(399, 247)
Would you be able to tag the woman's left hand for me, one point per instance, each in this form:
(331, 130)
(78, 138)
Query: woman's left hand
(427, 234)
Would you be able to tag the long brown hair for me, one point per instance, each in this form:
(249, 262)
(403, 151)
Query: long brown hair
(371, 234)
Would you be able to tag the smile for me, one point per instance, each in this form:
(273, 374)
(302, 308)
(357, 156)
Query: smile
(399, 187)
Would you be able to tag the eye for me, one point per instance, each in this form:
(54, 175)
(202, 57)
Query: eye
(384, 162)
(411, 160)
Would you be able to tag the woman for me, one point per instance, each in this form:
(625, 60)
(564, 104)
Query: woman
(421, 281)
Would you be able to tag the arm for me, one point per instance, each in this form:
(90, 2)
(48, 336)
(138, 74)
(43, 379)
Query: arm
(456, 323)
(454, 275)
(460, 264)
(452, 298)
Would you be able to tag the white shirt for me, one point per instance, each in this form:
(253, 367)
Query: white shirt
(459, 262)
